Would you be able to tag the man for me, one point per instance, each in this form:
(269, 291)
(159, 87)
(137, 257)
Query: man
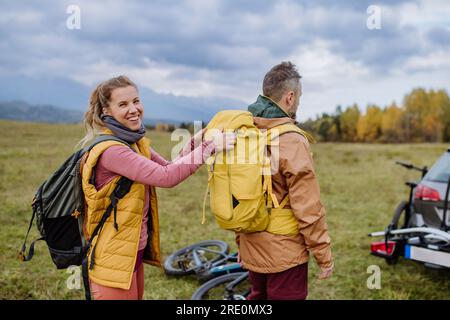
(278, 264)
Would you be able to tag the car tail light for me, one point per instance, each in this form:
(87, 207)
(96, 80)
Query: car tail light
(380, 247)
(426, 193)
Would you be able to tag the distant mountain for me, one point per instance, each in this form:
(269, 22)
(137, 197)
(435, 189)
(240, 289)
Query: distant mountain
(22, 111)
(19, 110)
(64, 93)
(71, 95)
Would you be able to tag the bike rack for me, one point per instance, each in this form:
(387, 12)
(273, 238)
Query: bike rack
(442, 234)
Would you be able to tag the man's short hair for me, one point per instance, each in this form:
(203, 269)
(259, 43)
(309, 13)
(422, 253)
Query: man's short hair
(279, 79)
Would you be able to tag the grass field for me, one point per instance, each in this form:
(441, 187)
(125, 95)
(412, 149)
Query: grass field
(360, 187)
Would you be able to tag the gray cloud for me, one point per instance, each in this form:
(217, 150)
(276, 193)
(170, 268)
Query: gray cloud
(190, 33)
(213, 48)
(439, 36)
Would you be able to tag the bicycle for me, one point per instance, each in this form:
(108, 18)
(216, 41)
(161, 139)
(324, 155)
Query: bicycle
(232, 286)
(423, 234)
(405, 208)
(223, 277)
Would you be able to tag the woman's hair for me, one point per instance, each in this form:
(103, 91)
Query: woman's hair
(100, 99)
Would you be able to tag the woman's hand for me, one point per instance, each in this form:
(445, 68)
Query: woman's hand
(224, 141)
(198, 137)
(194, 142)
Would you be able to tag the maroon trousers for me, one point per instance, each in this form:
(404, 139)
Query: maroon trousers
(291, 284)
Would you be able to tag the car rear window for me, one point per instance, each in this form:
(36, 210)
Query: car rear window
(441, 169)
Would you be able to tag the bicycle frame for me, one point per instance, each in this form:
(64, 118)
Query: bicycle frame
(411, 185)
(410, 206)
(213, 267)
(226, 268)
(229, 289)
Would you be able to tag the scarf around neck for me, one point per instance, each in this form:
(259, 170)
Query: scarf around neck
(123, 132)
(265, 107)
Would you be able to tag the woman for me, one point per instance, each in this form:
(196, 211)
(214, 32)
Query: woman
(132, 237)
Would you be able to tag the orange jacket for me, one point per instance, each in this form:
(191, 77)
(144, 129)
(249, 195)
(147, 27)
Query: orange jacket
(264, 252)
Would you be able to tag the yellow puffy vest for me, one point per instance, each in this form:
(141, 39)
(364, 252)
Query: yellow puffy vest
(116, 251)
(240, 181)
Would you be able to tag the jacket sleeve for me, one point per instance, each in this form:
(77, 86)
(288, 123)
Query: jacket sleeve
(187, 149)
(296, 165)
(123, 161)
(159, 159)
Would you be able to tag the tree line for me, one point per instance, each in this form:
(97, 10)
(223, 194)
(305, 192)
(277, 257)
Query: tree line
(424, 116)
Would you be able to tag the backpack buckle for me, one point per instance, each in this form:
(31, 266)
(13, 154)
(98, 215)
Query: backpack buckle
(76, 214)
(22, 256)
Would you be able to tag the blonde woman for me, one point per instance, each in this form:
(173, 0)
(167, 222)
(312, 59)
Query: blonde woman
(130, 237)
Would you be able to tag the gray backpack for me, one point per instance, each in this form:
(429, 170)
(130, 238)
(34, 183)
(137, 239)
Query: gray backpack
(59, 208)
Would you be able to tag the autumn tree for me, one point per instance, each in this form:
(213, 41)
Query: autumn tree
(369, 125)
(349, 122)
(437, 121)
(424, 116)
(392, 124)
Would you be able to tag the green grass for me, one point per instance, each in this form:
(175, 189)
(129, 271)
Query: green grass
(360, 187)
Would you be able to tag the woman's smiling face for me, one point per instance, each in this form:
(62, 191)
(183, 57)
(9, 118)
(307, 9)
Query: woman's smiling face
(126, 107)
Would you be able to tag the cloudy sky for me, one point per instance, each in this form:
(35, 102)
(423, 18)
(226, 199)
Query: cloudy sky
(221, 49)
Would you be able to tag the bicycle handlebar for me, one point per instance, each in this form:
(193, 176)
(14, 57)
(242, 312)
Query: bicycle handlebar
(410, 166)
(404, 164)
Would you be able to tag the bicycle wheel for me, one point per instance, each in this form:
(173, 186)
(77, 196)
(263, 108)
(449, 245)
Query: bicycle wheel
(401, 210)
(182, 262)
(215, 289)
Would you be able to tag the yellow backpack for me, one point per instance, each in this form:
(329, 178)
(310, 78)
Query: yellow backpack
(239, 180)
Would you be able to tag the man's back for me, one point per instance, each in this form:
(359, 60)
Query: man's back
(293, 174)
(277, 264)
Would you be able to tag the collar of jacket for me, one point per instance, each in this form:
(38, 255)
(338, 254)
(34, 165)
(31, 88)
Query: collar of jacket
(141, 144)
(265, 107)
(266, 123)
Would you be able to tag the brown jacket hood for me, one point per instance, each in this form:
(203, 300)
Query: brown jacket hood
(265, 123)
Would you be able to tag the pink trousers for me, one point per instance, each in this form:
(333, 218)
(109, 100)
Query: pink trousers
(136, 291)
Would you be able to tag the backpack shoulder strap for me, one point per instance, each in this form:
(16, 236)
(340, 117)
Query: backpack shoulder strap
(281, 129)
(100, 139)
(107, 137)
(272, 134)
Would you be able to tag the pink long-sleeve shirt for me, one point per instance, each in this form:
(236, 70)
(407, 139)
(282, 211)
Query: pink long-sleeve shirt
(122, 161)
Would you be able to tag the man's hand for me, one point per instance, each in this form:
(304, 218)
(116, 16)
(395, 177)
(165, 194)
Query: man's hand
(326, 272)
